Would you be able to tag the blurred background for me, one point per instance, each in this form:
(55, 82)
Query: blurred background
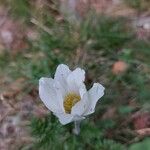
(110, 39)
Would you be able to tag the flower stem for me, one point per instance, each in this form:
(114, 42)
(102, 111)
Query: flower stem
(76, 129)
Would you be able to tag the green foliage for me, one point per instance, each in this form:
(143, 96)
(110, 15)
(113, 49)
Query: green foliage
(110, 145)
(141, 50)
(19, 8)
(134, 3)
(4, 59)
(106, 124)
(124, 110)
(141, 5)
(106, 33)
(47, 132)
(145, 145)
(50, 134)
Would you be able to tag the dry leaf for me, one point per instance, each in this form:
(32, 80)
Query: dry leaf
(119, 67)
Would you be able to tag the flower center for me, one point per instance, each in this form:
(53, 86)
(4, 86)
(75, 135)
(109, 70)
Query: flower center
(70, 100)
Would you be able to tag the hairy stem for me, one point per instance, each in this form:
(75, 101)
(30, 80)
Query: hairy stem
(76, 129)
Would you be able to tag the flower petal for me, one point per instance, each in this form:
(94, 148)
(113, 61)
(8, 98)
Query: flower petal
(61, 75)
(82, 90)
(50, 95)
(88, 102)
(80, 107)
(94, 94)
(64, 118)
(76, 79)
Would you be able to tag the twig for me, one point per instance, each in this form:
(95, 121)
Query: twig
(40, 25)
(143, 132)
(5, 115)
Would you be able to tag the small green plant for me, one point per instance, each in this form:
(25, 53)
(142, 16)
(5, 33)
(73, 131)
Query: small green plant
(106, 33)
(49, 133)
(140, 5)
(134, 3)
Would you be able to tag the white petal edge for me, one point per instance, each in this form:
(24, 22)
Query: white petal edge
(62, 70)
(61, 74)
(64, 118)
(76, 79)
(94, 94)
(48, 94)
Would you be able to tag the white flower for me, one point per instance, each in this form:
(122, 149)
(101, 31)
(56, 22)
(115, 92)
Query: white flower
(66, 95)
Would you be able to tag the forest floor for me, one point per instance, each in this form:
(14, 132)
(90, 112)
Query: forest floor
(112, 45)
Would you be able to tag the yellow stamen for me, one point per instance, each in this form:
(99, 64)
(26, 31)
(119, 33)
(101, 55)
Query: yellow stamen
(70, 100)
